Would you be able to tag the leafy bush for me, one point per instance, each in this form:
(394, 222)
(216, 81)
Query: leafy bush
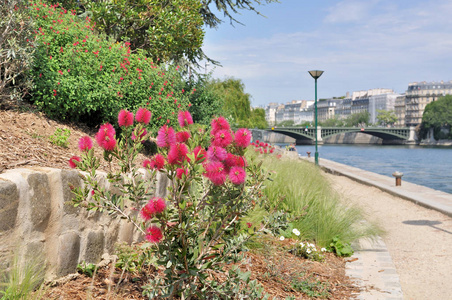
(16, 50)
(85, 77)
(340, 247)
(60, 137)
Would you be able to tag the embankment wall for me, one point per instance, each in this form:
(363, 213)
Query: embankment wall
(39, 223)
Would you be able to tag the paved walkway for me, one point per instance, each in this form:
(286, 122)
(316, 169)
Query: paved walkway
(372, 266)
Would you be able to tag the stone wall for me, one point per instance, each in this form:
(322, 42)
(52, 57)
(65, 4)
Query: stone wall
(38, 221)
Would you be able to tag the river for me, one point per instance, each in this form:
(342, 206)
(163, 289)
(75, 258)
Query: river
(427, 166)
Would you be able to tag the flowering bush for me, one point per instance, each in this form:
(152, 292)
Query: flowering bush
(83, 76)
(196, 228)
(263, 148)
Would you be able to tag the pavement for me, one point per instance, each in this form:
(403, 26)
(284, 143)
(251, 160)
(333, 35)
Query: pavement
(371, 266)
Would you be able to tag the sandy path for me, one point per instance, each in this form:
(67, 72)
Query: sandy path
(418, 239)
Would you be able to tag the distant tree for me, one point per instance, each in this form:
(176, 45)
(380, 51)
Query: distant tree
(332, 122)
(206, 101)
(258, 118)
(438, 115)
(386, 117)
(357, 119)
(287, 123)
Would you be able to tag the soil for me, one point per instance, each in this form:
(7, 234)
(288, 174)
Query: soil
(24, 142)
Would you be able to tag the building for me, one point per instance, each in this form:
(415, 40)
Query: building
(419, 94)
(326, 109)
(399, 109)
(381, 102)
(297, 111)
(270, 113)
(361, 99)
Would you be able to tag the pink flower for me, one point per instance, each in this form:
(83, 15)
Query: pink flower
(85, 143)
(200, 154)
(158, 162)
(73, 161)
(166, 137)
(148, 211)
(154, 234)
(180, 172)
(183, 136)
(215, 153)
(218, 124)
(222, 138)
(143, 116)
(177, 154)
(242, 137)
(249, 224)
(230, 161)
(184, 118)
(159, 204)
(146, 164)
(125, 118)
(237, 175)
(105, 137)
(215, 172)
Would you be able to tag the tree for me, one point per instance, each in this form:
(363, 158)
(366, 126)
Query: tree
(16, 50)
(438, 115)
(386, 117)
(357, 119)
(206, 102)
(258, 118)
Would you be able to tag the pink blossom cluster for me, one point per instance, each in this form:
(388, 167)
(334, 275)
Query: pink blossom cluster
(262, 148)
(154, 207)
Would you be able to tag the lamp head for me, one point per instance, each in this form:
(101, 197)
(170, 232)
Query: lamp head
(315, 73)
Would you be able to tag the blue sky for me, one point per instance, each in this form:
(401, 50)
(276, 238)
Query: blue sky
(360, 44)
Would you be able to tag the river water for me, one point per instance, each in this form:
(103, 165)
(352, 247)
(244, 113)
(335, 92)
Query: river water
(427, 166)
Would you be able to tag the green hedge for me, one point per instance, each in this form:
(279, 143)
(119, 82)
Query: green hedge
(82, 76)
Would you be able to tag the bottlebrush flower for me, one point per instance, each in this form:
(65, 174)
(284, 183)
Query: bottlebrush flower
(159, 204)
(158, 162)
(73, 161)
(177, 154)
(143, 116)
(154, 234)
(215, 153)
(200, 153)
(184, 118)
(166, 137)
(242, 137)
(222, 138)
(237, 175)
(215, 172)
(218, 124)
(148, 211)
(125, 118)
(146, 164)
(105, 137)
(230, 161)
(85, 143)
(182, 136)
(180, 172)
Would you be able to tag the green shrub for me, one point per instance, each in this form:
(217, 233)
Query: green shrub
(60, 137)
(86, 77)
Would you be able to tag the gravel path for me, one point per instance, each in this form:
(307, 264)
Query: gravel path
(419, 239)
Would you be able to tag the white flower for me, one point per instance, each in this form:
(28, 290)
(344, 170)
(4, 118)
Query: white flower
(311, 245)
(296, 232)
(281, 238)
(301, 244)
(323, 250)
(308, 251)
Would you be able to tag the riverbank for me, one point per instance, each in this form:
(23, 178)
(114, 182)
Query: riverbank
(418, 239)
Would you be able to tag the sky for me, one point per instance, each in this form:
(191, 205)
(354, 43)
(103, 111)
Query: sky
(359, 44)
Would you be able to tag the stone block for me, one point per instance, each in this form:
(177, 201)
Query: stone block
(70, 179)
(125, 232)
(9, 204)
(39, 200)
(68, 253)
(94, 247)
(112, 236)
(161, 185)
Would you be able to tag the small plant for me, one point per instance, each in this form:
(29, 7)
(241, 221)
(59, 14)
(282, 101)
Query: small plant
(340, 247)
(309, 251)
(315, 288)
(87, 269)
(134, 258)
(60, 137)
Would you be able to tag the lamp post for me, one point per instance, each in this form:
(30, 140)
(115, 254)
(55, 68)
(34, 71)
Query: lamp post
(316, 74)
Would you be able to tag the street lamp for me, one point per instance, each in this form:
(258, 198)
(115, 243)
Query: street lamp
(316, 74)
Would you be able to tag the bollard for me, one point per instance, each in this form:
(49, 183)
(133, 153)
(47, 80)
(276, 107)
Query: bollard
(398, 178)
(308, 153)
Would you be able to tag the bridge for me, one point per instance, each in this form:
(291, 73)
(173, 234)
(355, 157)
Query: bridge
(389, 135)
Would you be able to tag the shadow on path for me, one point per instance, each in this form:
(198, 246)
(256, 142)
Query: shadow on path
(426, 223)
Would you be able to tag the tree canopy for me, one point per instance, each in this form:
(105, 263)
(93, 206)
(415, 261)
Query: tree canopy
(438, 115)
(386, 117)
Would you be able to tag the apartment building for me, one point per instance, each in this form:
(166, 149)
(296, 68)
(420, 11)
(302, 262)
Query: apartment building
(399, 109)
(381, 102)
(419, 94)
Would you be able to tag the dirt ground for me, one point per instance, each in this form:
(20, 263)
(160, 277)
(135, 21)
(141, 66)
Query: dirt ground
(419, 240)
